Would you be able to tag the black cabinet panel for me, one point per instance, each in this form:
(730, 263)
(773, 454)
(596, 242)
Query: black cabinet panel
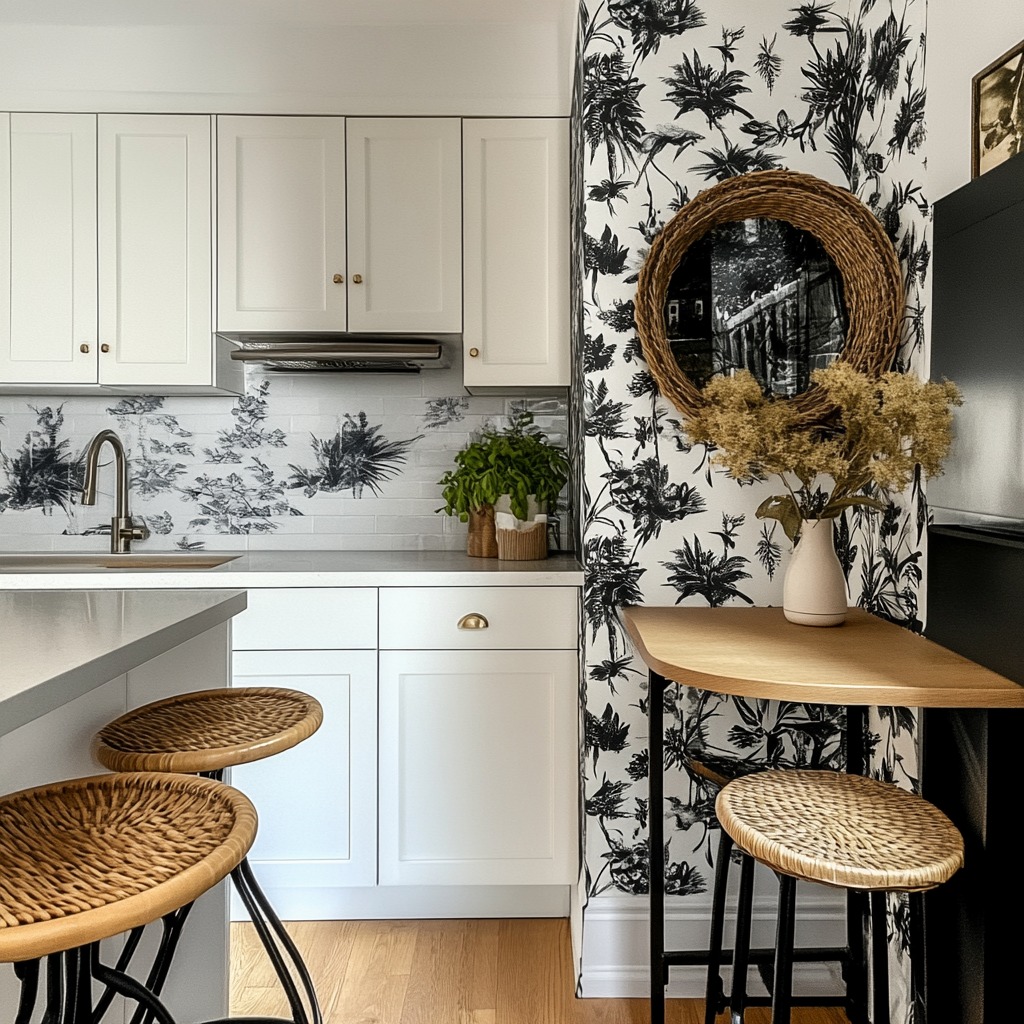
(971, 769)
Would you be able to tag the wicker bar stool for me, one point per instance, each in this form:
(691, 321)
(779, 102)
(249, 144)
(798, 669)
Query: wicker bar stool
(847, 831)
(87, 859)
(206, 732)
(718, 771)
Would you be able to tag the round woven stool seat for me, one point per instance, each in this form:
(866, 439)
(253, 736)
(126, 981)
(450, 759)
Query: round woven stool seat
(89, 858)
(208, 730)
(842, 830)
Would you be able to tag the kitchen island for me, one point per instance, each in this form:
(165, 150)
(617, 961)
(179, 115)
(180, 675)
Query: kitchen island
(429, 666)
(73, 660)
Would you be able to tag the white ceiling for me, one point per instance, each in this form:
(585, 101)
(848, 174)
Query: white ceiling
(295, 12)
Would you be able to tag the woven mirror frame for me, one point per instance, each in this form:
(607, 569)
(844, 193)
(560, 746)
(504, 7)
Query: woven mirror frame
(847, 230)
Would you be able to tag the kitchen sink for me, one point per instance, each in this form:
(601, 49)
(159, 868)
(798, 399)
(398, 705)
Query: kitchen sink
(93, 561)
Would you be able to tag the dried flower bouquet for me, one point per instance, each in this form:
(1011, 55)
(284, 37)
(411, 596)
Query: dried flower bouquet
(881, 429)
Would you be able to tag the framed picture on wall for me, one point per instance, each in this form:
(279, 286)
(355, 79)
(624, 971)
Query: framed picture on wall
(997, 111)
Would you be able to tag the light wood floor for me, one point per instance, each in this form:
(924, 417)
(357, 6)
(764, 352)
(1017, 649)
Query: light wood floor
(449, 972)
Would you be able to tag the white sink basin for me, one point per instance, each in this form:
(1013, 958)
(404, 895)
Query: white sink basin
(103, 561)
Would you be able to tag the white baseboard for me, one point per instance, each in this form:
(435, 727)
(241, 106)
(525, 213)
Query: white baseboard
(411, 902)
(616, 941)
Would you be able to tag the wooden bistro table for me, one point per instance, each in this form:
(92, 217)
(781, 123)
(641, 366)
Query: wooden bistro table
(757, 653)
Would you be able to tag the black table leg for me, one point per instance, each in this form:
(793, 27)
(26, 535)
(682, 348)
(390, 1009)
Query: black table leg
(656, 842)
(858, 913)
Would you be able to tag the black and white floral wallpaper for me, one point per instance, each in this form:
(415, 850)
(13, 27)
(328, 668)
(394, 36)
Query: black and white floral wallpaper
(323, 461)
(676, 96)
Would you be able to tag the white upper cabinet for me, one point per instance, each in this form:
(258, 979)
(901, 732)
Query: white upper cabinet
(516, 252)
(291, 198)
(106, 279)
(404, 224)
(48, 313)
(281, 224)
(155, 249)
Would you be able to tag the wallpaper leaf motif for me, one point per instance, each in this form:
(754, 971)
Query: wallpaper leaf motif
(648, 21)
(154, 462)
(234, 504)
(357, 457)
(694, 85)
(43, 473)
(695, 572)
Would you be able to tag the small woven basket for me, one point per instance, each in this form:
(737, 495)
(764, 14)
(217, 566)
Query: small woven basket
(527, 544)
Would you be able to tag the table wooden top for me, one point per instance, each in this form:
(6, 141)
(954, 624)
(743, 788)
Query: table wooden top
(757, 652)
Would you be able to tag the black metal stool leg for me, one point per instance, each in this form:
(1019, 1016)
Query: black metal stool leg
(54, 989)
(172, 925)
(274, 937)
(879, 959)
(27, 973)
(785, 930)
(741, 947)
(123, 984)
(271, 933)
(714, 991)
(917, 954)
(124, 959)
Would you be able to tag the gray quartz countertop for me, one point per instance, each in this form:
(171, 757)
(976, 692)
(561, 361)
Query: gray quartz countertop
(56, 645)
(282, 568)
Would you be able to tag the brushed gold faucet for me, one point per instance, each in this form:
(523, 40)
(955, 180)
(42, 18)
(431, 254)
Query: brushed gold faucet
(122, 529)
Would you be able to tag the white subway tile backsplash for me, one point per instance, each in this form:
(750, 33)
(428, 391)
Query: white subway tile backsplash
(343, 525)
(302, 461)
(415, 526)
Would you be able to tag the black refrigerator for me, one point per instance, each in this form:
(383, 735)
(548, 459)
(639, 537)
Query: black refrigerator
(975, 594)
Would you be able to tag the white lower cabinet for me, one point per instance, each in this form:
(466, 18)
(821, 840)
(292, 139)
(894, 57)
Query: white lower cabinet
(320, 827)
(317, 802)
(477, 767)
(443, 781)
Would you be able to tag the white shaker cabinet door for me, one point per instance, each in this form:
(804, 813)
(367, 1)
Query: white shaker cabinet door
(516, 252)
(317, 801)
(404, 224)
(280, 223)
(156, 251)
(48, 248)
(478, 766)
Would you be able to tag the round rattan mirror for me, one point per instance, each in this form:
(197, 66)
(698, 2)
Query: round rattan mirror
(848, 232)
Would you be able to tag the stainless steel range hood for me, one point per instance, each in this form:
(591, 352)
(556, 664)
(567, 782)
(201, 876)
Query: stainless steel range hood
(343, 353)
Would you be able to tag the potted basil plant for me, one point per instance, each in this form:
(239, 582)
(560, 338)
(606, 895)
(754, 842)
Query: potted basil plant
(515, 466)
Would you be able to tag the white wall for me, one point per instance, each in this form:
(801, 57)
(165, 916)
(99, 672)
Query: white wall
(962, 39)
(474, 66)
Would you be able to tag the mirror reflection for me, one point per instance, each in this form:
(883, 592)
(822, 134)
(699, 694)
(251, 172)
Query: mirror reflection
(756, 294)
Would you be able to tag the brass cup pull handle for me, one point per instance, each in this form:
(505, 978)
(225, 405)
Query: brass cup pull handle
(474, 620)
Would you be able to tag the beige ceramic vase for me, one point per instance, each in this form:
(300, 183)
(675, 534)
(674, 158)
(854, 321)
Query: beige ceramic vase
(814, 591)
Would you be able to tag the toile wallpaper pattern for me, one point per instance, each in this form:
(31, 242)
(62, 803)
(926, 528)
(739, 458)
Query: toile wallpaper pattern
(678, 95)
(314, 461)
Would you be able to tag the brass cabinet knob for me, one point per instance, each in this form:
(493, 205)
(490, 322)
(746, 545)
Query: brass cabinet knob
(104, 347)
(339, 279)
(83, 347)
(474, 620)
(474, 352)
(357, 278)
